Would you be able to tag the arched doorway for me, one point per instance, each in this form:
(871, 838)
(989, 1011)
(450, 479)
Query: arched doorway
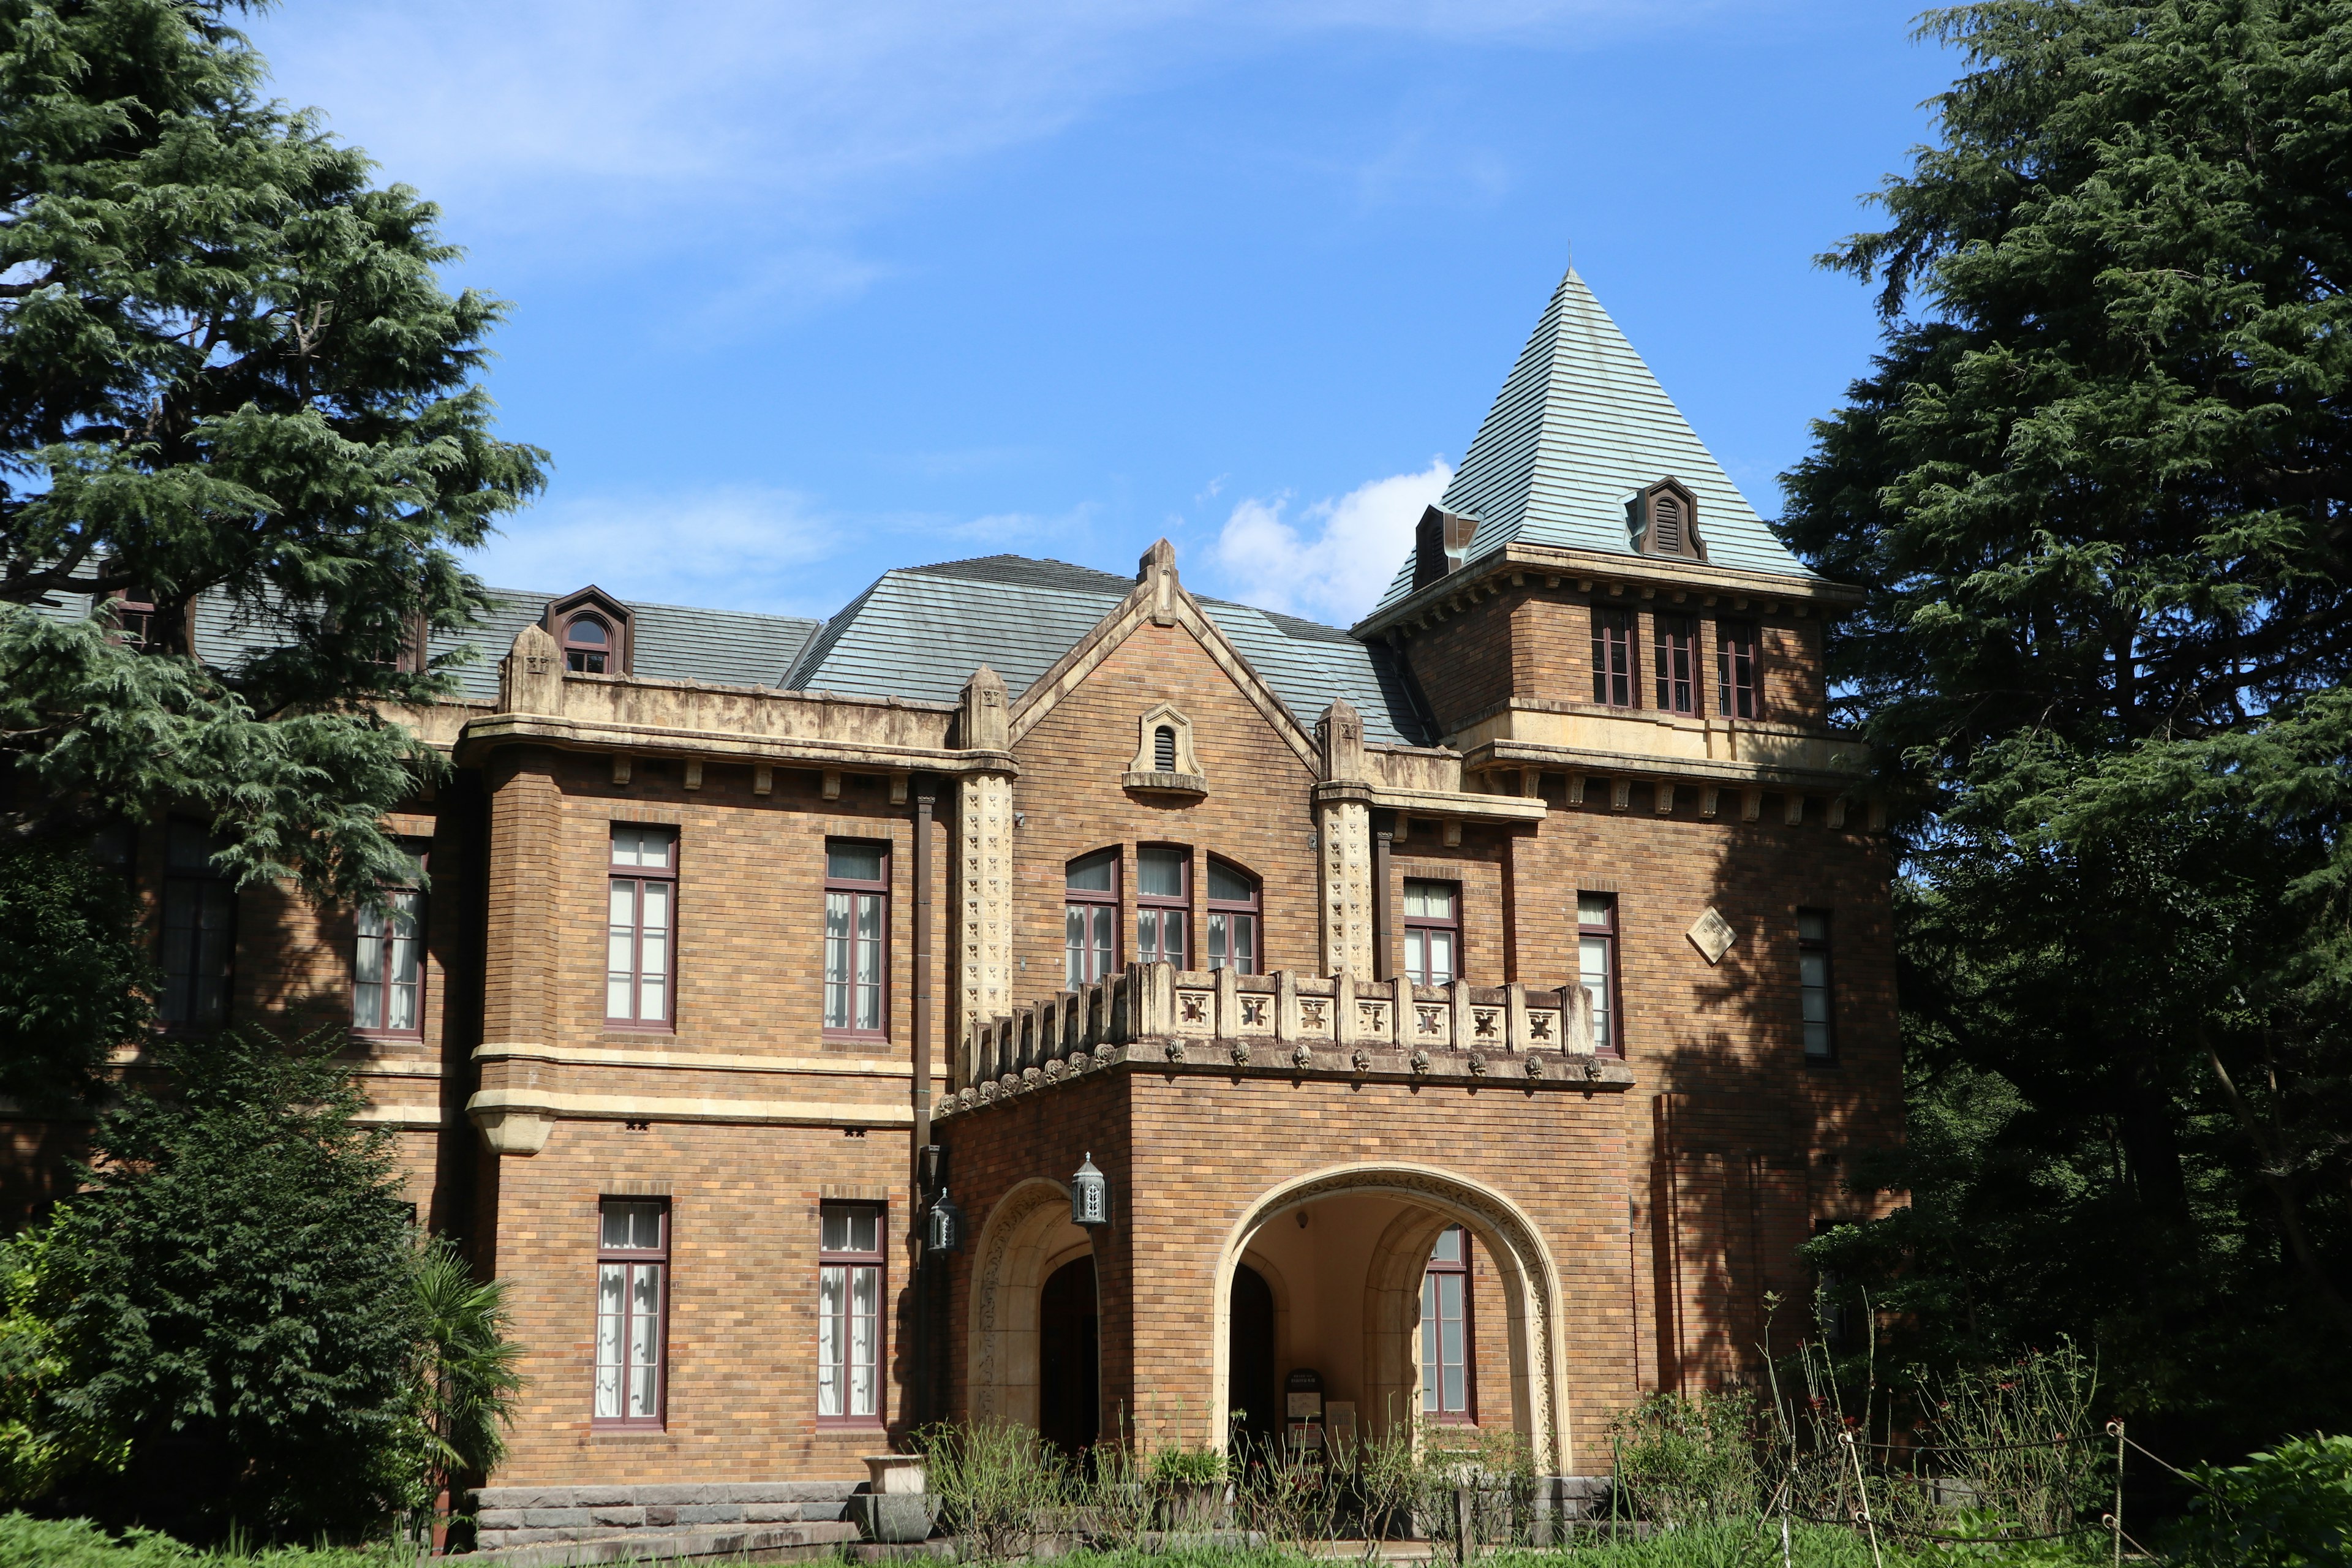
(1250, 1383)
(1017, 1250)
(1070, 1359)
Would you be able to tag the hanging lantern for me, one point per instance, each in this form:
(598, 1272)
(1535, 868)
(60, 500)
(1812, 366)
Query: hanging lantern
(943, 1227)
(1089, 1195)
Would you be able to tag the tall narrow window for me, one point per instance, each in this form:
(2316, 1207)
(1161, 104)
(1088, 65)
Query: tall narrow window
(1614, 680)
(1739, 672)
(849, 1314)
(856, 925)
(632, 1310)
(1232, 918)
(388, 967)
(588, 645)
(641, 932)
(1814, 984)
(1162, 903)
(1432, 932)
(1676, 664)
(1445, 1391)
(199, 929)
(1596, 964)
(1090, 917)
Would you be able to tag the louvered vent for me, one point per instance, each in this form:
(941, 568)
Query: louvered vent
(1666, 532)
(1163, 749)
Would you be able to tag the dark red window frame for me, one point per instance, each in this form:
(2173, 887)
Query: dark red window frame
(1603, 932)
(1164, 921)
(1676, 664)
(587, 656)
(1616, 669)
(1090, 936)
(850, 1260)
(387, 939)
(1425, 923)
(643, 880)
(1739, 670)
(1433, 1273)
(850, 896)
(1230, 917)
(134, 616)
(630, 1260)
(1816, 981)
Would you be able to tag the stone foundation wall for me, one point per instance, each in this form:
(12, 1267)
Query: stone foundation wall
(525, 1516)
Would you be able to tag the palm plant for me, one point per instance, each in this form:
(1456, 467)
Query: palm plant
(467, 1377)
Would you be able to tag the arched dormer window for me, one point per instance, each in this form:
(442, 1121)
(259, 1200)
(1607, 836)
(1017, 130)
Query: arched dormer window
(587, 645)
(1665, 519)
(1233, 918)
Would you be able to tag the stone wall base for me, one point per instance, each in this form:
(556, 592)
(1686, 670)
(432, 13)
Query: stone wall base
(528, 1516)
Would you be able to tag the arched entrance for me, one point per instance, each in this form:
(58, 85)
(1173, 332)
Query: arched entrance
(1252, 1383)
(1027, 1240)
(1396, 1213)
(1069, 1358)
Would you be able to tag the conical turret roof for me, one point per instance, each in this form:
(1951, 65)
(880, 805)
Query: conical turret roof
(1579, 426)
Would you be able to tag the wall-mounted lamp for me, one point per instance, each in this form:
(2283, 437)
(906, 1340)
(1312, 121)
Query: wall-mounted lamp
(1089, 1195)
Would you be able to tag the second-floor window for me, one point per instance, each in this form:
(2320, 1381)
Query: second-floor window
(199, 929)
(1676, 664)
(640, 944)
(1596, 964)
(856, 924)
(849, 1314)
(1739, 672)
(1614, 680)
(1432, 932)
(1814, 984)
(1162, 901)
(388, 964)
(1446, 1360)
(1232, 918)
(1090, 917)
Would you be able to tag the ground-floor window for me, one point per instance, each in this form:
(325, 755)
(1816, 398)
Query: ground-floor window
(632, 1309)
(1445, 1364)
(849, 1314)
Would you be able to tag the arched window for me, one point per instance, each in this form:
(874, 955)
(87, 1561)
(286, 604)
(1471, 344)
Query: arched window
(1163, 899)
(587, 645)
(1163, 749)
(1232, 918)
(1446, 1363)
(1090, 917)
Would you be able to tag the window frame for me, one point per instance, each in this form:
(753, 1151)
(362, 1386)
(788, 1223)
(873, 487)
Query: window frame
(1821, 948)
(1607, 934)
(617, 872)
(1251, 909)
(1092, 900)
(1738, 644)
(1616, 629)
(610, 652)
(1165, 905)
(1410, 923)
(849, 1260)
(854, 888)
(1674, 646)
(204, 886)
(417, 915)
(1431, 1269)
(657, 1257)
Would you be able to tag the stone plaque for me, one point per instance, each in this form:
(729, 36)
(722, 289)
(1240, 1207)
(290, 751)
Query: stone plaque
(1712, 935)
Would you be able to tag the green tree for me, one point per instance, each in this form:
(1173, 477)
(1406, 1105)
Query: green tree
(73, 973)
(243, 1320)
(227, 375)
(2099, 486)
(468, 1373)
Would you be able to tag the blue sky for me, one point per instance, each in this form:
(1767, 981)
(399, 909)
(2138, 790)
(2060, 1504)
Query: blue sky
(802, 291)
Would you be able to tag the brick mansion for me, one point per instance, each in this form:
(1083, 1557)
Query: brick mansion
(1041, 994)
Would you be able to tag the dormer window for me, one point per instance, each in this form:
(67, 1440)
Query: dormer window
(587, 645)
(1664, 520)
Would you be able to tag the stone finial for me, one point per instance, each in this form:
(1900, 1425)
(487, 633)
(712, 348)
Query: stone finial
(1341, 730)
(531, 677)
(1157, 568)
(984, 717)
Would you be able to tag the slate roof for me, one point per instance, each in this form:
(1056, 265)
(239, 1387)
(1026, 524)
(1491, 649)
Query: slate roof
(1579, 424)
(919, 632)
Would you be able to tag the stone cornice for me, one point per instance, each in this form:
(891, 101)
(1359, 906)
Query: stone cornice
(1465, 807)
(483, 735)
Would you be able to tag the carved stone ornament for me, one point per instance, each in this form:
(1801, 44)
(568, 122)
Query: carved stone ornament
(1482, 1022)
(1427, 1019)
(1593, 1069)
(1052, 1072)
(1301, 1056)
(1363, 1059)
(1175, 1049)
(1254, 1011)
(1311, 1014)
(1712, 935)
(1478, 1065)
(988, 1094)
(1539, 1026)
(1535, 1066)
(1420, 1061)
(1241, 1056)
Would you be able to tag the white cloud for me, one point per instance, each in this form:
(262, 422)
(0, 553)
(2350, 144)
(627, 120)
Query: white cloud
(738, 549)
(1335, 560)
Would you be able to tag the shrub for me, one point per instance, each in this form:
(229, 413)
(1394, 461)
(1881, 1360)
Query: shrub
(1684, 1458)
(2285, 1509)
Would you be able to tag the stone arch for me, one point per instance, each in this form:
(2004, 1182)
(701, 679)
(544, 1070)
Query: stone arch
(1024, 1234)
(1530, 1285)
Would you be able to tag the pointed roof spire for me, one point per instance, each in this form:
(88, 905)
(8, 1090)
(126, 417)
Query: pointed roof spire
(1579, 426)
